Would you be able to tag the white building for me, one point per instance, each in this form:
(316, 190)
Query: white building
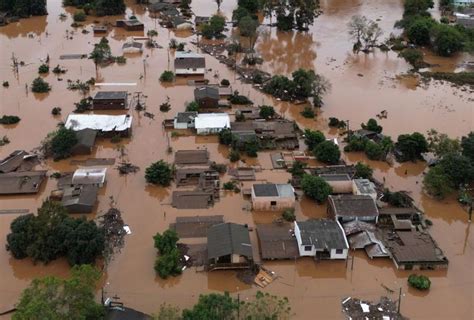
(211, 123)
(189, 63)
(184, 120)
(105, 124)
(321, 239)
(364, 187)
(89, 176)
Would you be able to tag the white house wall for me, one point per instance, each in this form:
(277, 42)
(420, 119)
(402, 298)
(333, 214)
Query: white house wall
(190, 71)
(342, 255)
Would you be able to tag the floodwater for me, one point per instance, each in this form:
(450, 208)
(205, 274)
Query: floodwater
(362, 86)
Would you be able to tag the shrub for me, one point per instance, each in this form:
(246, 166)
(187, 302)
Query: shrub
(266, 112)
(79, 16)
(315, 188)
(413, 57)
(229, 185)
(83, 105)
(61, 143)
(236, 98)
(411, 146)
(327, 152)
(44, 68)
(251, 148)
(308, 112)
(234, 155)
(40, 86)
(225, 83)
(56, 111)
(419, 282)
(180, 46)
(372, 125)
(447, 40)
(313, 138)
(297, 169)
(226, 137)
(363, 171)
(219, 167)
(374, 151)
(192, 106)
(159, 173)
(289, 215)
(168, 264)
(5, 84)
(9, 119)
(121, 60)
(167, 76)
(58, 70)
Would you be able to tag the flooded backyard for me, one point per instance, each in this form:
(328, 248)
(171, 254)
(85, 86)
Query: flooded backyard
(362, 86)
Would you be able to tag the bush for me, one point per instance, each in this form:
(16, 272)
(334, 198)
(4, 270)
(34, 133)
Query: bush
(5, 84)
(297, 169)
(419, 282)
(159, 173)
(234, 155)
(289, 215)
(308, 112)
(447, 40)
(363, 171)
(40, 86)
(79, 16)
(9, 119)
(437, 183)
(167, 76)
(374, 151)
(168, 263)
(226, 137)
(236, 98)
(83, 105)
(56, 111)
(411, 146)
(315, 188)
(121, 60)
(44, 68)
(214, 28)
(192, 106)
(61, 143)
(251, 148)
(413, 57)
(418, 31)
(219, 167)
(225, 83)
(327, 152)
(372, 125)
(229, 185)
(266, 112)
(313, 138)
(58, 70)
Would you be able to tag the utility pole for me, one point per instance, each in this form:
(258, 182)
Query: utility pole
(238, 307)
(399, 299)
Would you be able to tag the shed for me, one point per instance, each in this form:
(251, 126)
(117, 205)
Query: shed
(352, 207)
(85, 142)
(321, 239)
(340, 183)
(130, 25)
(277, 241)
(107, 100)
(89, 176)
(211, 123)
(132, 47)
(191, 157)
(21, 182)
(207, 96)
(99, 29)
(105, 125)
(229, 246)
(80, 199)
(189, 63)
(184, 120)
(364, 187)
(269, 196)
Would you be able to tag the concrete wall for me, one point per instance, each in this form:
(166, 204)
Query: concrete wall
(190, 71)
(341, 186)
(265, 203)
(342, 255)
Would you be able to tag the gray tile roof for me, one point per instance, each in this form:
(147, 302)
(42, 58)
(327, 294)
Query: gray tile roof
(110, 95)
(206, 92)
(322, 234)
(265, 190)
(353, 205)
(335, 177)
(86, 137)
(228, 238)
(185, 117)
(190, 63)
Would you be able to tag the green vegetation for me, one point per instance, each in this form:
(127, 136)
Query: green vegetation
(239, 99)
(225, 82)
(24, 8)
(101, 54)
(56, 111)
(40, 86)
(303, 85)
(159, 173)
(9, 119)
(327, 152)
(167, 76)
(373, 150)
(336, 123)
(440, 144)
(315, 188)
(234, 155)
(363, 171)
(419, 282)
(214, 28)
(467, 144)
(59, 70)
(44, 68)
(226, 137)
(308, 112)
(79, 16)
(459, 78)
(192, 106)
(99, 7)
(120, 59)
(396, 199)
(289, 215)
(411, 146)
(168, 262)
(297, 169)
(55, 298)
(52, 234)
(413, 57)
(437, 184)
(364, 32)
(313, 138)
(248, 28)
(83, 105)
(5, 84)
(59, 143)
(372, 125)
(266, 112)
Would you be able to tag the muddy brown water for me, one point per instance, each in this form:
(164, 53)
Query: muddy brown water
(362, 86)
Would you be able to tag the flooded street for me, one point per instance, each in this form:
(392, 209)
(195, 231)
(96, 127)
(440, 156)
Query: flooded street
(362, 86)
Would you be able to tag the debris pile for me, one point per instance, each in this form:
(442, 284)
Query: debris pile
(358, 309)
(114, 231)
(126, 168)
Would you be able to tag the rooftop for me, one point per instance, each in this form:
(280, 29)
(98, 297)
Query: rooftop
(335, 177)
(322, 234)
(273, 190)
(277, 241)
(21, 182)
(365, 186)
(86, 137)
(184, 117)
(89, 176)
(189, 60)
(191, 157)
(18, 160)
(196, 226)
(228, 238)
(353, 205)
(100, 122)
(211, 92)
(192, 199)
(110, 95)
(212, 120)
(83, 195)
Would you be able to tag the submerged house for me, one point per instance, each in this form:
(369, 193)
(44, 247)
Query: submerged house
(207, 96)
(108, 100)
(364, 187)
(104, 124)
(352, 207)
(189, 63)
(25, 182)
(130, 25)
(80, 199)
(321, 239)
(211, 123)
(184, 120)
(89, 176)
(340, 183)
(269, 196)
(229, 247)
(132, 47)
(85, 142)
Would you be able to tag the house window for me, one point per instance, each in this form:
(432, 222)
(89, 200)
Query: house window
(273, 203)
(307, 248)
(339, 251)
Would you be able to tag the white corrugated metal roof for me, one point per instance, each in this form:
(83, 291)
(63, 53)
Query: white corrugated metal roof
(89, 176)
(212, 120)
(187, 54)
(78, 122)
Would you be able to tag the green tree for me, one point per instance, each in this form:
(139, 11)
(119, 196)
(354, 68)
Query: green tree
(101, 53)
(212, 306)
(40, 86)
(108, 7)
(413, 57)
(159, 173)
(239, 13)
(363, 171)
(167, 76)
(372, 125)
(192, 106)
(167, 312)
(458, 168)
(467, 144)
(315, 188)
(251, 148)
(419, 282)
(437, 184)
(22, 235)
(214, 28)
(447, 40)
(168, 264)
(266, 112)
(248, 28)
(62, 143)
(84, 240)
(166, 242)
(419, 29)
(327, 152)
(297, 169)
(374, 151)
(417, 7)
(441, 144)
(313, 138)
(79, 16)
(252, 6)
(55, 299)
(411, 146)
(226, 137)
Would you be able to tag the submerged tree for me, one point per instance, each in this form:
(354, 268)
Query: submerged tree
(364, 32)
(101, 53)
